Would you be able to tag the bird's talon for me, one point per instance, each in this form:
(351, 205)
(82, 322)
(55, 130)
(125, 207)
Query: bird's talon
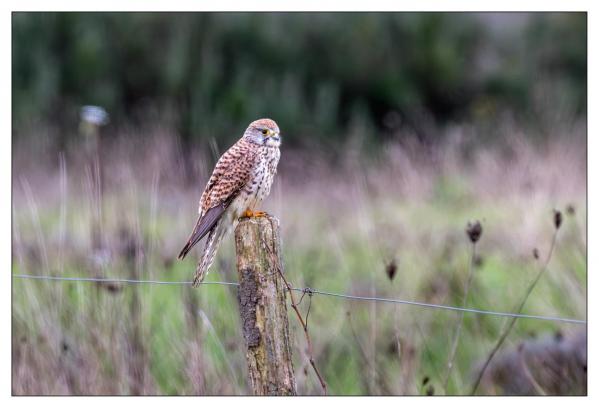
(254, 214)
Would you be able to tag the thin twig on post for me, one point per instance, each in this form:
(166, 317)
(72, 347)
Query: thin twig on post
(263, 308)
(304, 324)
(276, 261)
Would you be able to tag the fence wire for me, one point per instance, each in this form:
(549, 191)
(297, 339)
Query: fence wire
(310, 291)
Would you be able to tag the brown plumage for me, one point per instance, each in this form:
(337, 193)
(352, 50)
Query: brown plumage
(240, 181)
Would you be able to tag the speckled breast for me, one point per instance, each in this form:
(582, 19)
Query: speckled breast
(262, 175)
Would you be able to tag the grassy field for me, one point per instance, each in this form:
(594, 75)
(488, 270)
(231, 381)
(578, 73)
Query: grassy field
(343, 223)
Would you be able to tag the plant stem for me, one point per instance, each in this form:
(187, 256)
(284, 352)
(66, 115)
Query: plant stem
(456, 337)
(513, 320)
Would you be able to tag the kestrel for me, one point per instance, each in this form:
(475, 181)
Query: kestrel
(240, 181)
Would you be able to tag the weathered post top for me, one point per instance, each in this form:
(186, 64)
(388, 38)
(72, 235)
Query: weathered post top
(263, 308)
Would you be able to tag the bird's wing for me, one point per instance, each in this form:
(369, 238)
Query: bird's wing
(204, 224)
(231, 173)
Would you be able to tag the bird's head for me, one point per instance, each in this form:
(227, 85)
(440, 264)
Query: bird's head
(264, 132)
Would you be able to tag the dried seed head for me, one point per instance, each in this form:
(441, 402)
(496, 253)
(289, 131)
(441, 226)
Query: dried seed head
(391, 269)
(474, 231)
(478, 261)
(113, 288)
(425, 380)
(392, 347)
(557, 218)
(535, 253)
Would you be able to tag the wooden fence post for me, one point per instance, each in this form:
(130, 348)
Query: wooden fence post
(263, 308)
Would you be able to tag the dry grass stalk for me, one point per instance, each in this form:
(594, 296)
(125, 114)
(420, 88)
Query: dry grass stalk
(557, 221)
(474, 231)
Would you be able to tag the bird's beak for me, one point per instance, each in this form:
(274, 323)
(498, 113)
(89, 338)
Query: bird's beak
(276, 136)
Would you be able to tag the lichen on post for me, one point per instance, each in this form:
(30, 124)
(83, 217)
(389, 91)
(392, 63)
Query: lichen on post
(263, 308)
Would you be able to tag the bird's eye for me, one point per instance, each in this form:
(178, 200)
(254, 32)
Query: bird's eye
(264, 132)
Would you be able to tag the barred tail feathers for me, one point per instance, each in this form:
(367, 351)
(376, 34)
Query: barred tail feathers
(213, 241)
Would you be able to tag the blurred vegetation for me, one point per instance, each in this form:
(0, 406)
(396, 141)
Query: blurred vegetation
(341, 228)
(317, 74)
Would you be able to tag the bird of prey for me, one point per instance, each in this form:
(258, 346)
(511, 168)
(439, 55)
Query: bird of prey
(240, 181)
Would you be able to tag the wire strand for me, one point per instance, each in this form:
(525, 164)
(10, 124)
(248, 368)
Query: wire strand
(314, 291)
(119, 280)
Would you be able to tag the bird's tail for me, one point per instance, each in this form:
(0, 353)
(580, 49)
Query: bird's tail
(215, 236)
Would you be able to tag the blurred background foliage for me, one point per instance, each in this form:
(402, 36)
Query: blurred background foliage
(318, 74)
